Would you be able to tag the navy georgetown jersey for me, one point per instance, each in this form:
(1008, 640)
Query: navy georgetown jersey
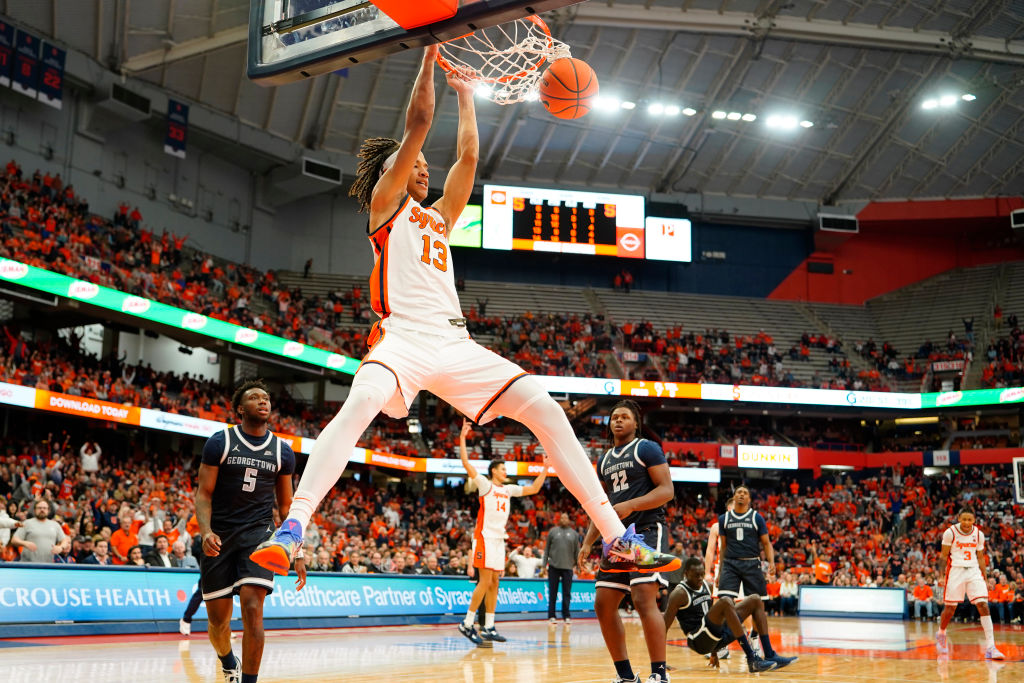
(248, 468)
(743, 534)
(625, 476)
(691, 615)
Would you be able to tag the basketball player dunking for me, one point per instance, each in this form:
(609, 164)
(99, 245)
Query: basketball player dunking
(421, 342)
(963, 561)
(489, 537)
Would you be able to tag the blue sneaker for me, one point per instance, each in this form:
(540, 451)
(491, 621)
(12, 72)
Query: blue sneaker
(758, 665)
(492, 634)
(629, 553)
(780, 660)
(275, 554)
(470, 632)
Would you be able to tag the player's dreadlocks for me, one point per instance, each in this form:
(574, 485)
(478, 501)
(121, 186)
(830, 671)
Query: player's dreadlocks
(372, 156)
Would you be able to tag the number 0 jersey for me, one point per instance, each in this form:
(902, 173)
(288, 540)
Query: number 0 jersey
(247, 472)
(964, 548)
(413, 281)
(625, 476)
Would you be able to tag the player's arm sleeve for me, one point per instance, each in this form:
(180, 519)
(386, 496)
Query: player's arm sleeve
(650, 454)
(947, 538)
(213, 451)
(483, 484)
(287, 460)
(514, 490)
(981, 541)
(762, 527)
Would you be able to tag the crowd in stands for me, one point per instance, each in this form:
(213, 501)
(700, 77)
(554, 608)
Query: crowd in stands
(1004, 358)
(881, 529)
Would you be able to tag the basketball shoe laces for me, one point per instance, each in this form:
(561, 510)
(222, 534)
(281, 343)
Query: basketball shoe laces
(630, 547)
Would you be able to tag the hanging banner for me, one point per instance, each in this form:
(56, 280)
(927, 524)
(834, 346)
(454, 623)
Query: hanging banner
(51, 76)
(26, 64)
(177, 129)
(6, 53)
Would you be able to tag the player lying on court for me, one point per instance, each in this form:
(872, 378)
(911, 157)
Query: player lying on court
(711, 627)
(421, 341)
(964, 561)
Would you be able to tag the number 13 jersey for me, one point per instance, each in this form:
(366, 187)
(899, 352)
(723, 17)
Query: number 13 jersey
(247, 471)
(625, 476)
(412, 280)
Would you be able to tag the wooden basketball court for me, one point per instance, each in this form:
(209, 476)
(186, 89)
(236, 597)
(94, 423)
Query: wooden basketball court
(829, 650)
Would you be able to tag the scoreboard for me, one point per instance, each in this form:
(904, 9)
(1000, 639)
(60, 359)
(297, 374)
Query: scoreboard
(572, 222)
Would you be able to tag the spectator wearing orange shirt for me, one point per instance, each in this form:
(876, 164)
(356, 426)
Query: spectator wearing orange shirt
(822, 568)
(922, 595)
(997, 601)
(124, 539)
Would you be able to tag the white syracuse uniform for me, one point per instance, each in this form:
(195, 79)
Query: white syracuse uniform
(421, 336)
(489, 535)
(963, 575)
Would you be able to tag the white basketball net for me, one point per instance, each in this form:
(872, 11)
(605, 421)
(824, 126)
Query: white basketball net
(508, 59)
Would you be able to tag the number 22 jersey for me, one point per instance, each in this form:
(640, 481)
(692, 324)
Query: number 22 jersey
(623, 471)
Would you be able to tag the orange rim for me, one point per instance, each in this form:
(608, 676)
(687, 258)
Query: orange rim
(537, 21)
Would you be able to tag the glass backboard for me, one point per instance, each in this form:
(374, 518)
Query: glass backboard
(291, 40)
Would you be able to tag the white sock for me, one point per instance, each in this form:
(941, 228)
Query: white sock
(528, 403)
(986, 624)
(470, 618)
(489, 620)
(334, 446)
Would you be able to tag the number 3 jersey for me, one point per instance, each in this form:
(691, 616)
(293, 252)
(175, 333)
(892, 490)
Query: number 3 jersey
(412, 280)
(624, 472)
(964, 548)
(247, 471)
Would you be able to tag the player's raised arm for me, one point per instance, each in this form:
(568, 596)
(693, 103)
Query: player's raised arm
(535, 485)
(463, 454)
(391, 186)
(709, 552)
(459, 184)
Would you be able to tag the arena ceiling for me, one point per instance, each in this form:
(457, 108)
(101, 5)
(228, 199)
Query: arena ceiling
(860, 70)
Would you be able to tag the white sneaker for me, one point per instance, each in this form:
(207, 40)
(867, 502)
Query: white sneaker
(552, 621)
(635, 679)
(655, 678)
(184, 627)
(233, 675)
(568, 621)
(992, 653)
(723, 653)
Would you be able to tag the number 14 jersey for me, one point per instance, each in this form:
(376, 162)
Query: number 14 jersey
(624, 473)
(247, 471)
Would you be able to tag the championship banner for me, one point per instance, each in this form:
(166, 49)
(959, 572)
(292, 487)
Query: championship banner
(51, 76)
(26, 64)
(177, 129)
(76, 594)
(7, 37)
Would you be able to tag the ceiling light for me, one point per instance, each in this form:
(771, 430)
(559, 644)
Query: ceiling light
(947, 100)
(629, 105)
(483, 90)
(607, 103)
(657, 109)
(671, 110)
(929, 104)
(749, 117)
(968, 97)
(718, 115)
(807, 124)
(783, 122)
(689, 111)
(734, 116)
(532, 96)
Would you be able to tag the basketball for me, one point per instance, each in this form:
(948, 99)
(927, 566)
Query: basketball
(568, 88)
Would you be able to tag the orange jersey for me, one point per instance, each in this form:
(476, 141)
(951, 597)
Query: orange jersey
(413, 278)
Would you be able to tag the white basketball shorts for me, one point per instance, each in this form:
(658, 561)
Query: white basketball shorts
(454, 368)
(962, 581)
(489, 553)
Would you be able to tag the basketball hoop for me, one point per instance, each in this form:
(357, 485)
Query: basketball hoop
(506, 58)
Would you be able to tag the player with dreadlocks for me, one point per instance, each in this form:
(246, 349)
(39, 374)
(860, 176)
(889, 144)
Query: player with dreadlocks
(421, 341)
